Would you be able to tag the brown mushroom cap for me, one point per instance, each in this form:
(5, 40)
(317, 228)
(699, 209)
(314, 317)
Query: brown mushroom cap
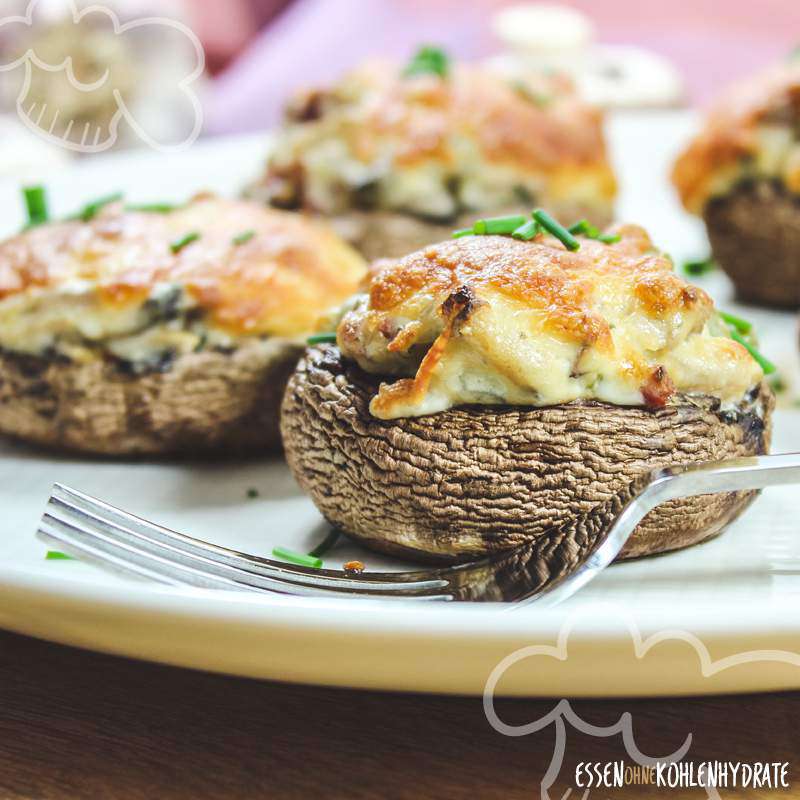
(469, 481)
(205, 402)
(755, 237)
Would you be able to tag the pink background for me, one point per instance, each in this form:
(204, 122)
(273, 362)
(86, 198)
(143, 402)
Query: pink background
(313, 41)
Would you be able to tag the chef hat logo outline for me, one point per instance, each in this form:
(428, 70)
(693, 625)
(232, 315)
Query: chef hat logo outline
(563, 712)
(29, 59)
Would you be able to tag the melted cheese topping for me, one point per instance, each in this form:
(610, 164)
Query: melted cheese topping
(435, 146)
(752, 133)
(116, 282)
(492, 320)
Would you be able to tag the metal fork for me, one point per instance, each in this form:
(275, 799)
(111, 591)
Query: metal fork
(545, 571)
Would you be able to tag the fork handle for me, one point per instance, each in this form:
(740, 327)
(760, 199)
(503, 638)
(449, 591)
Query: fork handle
(735, 474)
(672, 483)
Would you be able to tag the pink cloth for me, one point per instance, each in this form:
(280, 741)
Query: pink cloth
(313, 41)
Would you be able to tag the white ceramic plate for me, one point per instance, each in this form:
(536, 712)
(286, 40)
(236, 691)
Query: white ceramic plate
(719, 617)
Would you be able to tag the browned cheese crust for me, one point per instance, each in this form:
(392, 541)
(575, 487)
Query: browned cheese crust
(397, 161)
(465, 482)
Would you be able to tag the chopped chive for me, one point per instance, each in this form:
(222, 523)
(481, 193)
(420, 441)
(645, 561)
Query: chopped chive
(527, 93)
(326, 544)
(699, 267)
(463, 232)
(179, 244)
(762, 361)
(152, 208)
(556, 229)
(322, 338)
(297, 558)
(91, 210)
(741, 325)
(527, 231)
(243, 238)
(498, 225)
(57, 555)
(585, 228)
(778, 384)
(36, 205)
(428, 60)
(252, 492)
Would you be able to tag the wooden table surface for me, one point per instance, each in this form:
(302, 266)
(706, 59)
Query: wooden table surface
(75, 724)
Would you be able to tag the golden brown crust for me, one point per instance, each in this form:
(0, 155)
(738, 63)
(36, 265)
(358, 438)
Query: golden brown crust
(532, 323)
(432, 147)
(729, 132)
(755, 237)
(277, 282)
(423, 112)
(461, 483)
(209, 402)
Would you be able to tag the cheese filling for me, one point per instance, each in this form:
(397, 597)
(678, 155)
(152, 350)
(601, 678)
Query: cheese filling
(436, 147)
(752, 134)
(129, 286)
(490, 320)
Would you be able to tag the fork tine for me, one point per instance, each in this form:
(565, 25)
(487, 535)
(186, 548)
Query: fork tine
(86, 546)
(86, 517)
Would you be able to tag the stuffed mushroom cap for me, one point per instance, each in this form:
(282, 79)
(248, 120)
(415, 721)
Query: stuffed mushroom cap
(752, 133)
(395, 157)
(141, 330)
(742, 175)
(485, 392)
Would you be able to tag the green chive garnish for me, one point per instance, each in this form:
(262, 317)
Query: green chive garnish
(57, 555)
(36, 204)
(556, 229)
(252, 492)
(763, 362)
(179, 244)
(700, 267)
(152, 208)
(428, 60)
(463, 232)
(243, 238)
(527, 231)
(778, 384)
(584, 228)
(498, 225)
(322, 338)
(526, 92)
(297, 558)
(90, 211)
(741, 325)
(326, 544)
